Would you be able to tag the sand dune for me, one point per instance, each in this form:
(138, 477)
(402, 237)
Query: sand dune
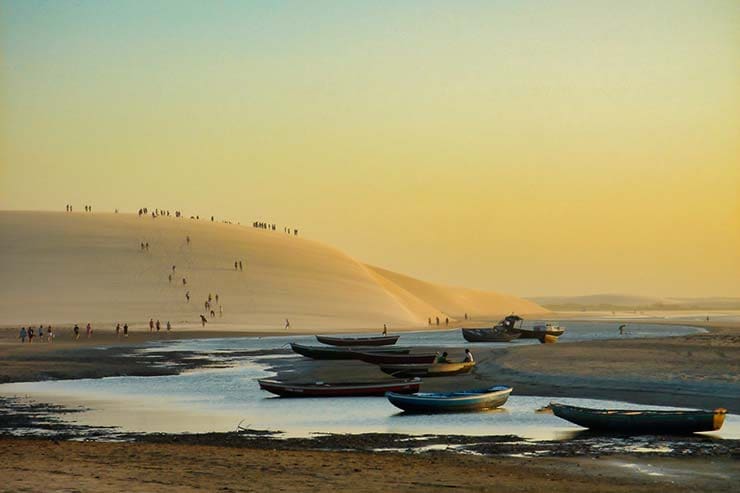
(73, 268)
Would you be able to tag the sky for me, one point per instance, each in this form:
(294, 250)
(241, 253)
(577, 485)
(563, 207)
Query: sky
(534, 148)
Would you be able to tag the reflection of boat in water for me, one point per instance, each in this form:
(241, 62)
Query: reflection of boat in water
(504, 331)
(322, 389)
(632, 421)
(325, 352)
(427, 370)
(358, 341)
(446, 402)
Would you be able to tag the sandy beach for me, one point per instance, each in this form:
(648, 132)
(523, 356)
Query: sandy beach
(308, 281)
(31, 465)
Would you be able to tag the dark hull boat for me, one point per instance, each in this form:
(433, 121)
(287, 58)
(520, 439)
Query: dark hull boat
(641, 422)
(390, 359)
(358, 341)
(322, 352)
(358, 389)
(450, 402)
(489, 335)
(426, 370)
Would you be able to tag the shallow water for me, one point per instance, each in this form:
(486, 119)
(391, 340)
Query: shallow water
(575, 331)
(220, 399)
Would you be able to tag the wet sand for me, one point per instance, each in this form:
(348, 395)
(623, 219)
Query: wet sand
(615, 369)
(33, 465)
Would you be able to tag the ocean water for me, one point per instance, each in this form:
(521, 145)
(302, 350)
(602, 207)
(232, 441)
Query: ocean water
(221, 399)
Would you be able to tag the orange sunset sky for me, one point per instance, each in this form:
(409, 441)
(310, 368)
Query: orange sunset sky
(535, 148)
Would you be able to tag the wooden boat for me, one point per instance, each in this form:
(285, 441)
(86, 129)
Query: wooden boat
(504, 331)
(358, 341)
(540, 330)
(324, 352)
(446, 402)
(489, 335)
(640, 421)
(548, 339)
(325, 389)
(379, 358)
(427, 370)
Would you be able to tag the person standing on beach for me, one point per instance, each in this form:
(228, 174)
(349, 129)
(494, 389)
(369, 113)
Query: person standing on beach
(187, 297)
(22, 335)
(447, 321)
(241, 268)
(173, 269)
(385, 330)
(118, 330)
(437, 318)
(169, 278)
(429, 321)
(41, 333)
(203, 320)
(125, 330)
(77, 332)
(236, 265)
(220, 311)
(151, 325)
(216, 297)
(158, 326)
(287, 324)
(213, 314)
(30, 334)
(49, 334)
(169, 326)
(184, 282)
(88, 330)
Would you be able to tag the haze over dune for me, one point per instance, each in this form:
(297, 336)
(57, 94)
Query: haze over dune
(63, 268)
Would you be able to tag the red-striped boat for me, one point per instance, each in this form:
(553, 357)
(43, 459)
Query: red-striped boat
(358, 341)
(324, 389)
(390, 359)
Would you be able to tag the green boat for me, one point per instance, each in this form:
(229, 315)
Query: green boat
(641, 422)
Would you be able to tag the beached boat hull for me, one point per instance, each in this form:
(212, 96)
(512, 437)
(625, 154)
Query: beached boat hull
(548, 339)
(319, 352)
(537, 334)
(489, 335)
(639, 421)
(391, 359)
(358, 341)
(451, 402)
(320, 389)
(425, 370)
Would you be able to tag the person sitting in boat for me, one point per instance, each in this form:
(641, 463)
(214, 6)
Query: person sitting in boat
(468, 356)
(442, 358)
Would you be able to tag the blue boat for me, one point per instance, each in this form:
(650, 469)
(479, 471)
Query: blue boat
(451, 402)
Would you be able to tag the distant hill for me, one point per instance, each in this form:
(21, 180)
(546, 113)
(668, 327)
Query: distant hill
(64, 268)
(633, 302)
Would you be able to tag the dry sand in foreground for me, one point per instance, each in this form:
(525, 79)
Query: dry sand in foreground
(42, 465)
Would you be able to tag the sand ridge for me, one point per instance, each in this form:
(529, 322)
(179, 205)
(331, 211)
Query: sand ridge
(65, 268)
